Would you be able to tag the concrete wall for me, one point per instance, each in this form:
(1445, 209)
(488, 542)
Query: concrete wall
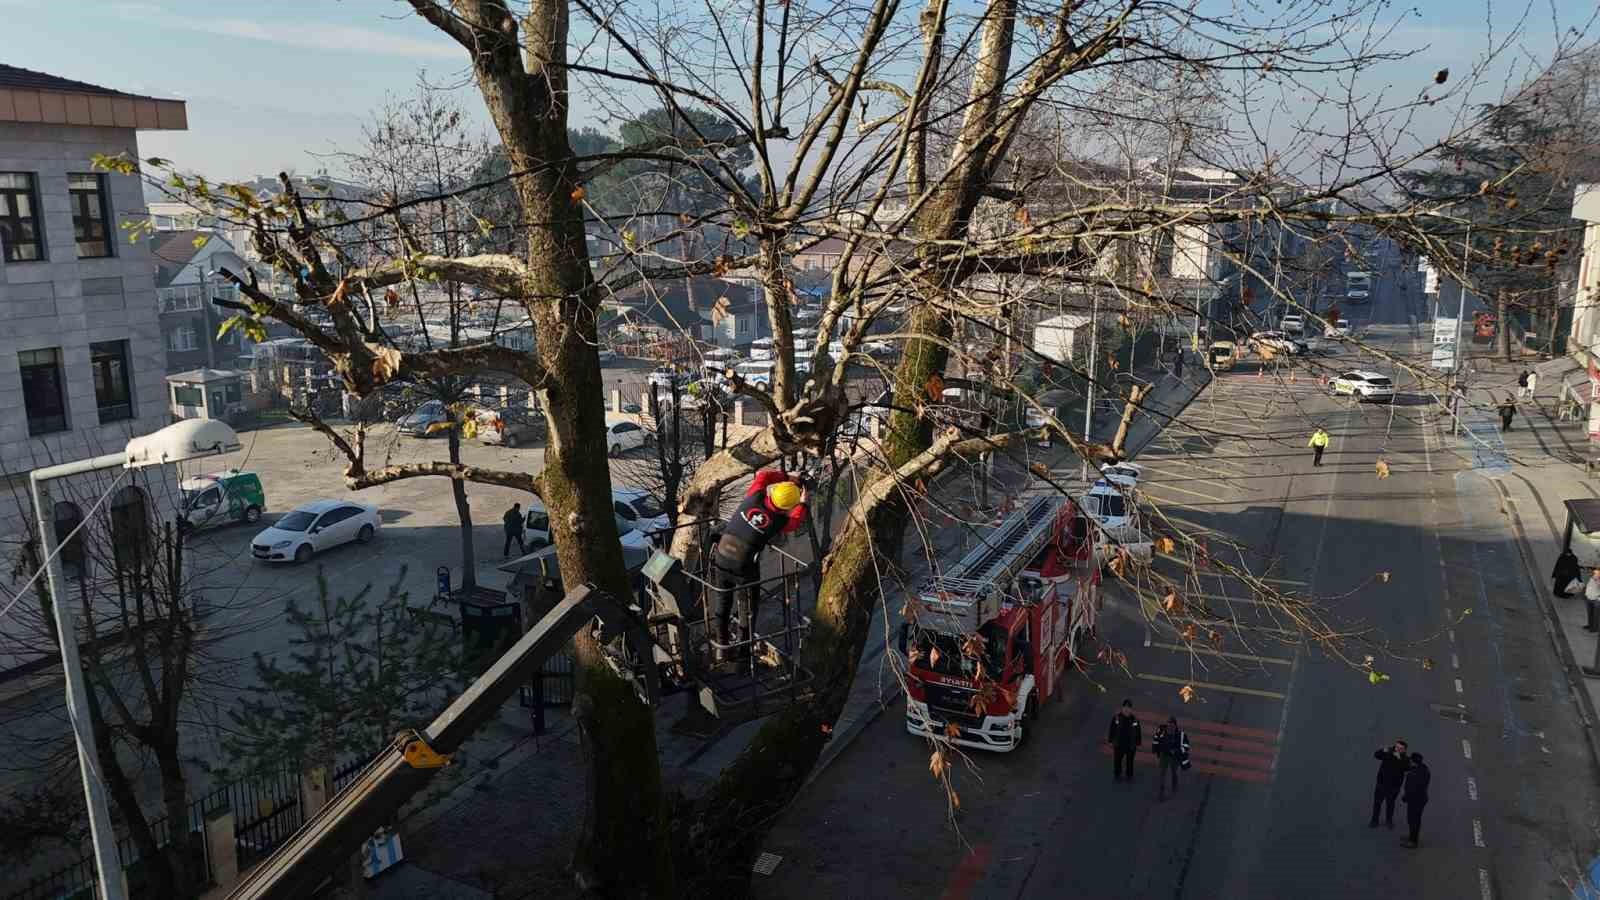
(66, 303)
(1586, 301)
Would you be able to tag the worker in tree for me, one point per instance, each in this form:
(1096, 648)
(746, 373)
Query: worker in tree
(775, 504)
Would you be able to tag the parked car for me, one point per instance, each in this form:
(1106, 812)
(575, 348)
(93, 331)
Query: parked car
(757, 373)
(1056, 402)
(761, 348)
(606, 355)
(1364, 385)
(665, 376)
(420, 422)
(877, 348)
(637, 510)
(1276, 342)
(507, 428)
(314, 527)
(624, 436)
(231, 496)
(1293, 323)
(1339, 330)
(1221, 356)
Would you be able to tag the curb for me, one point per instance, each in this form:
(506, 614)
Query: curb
(1552, 623)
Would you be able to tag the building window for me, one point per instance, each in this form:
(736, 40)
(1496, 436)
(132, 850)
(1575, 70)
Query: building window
(87, 191)
(182, 298)
(42, 391)
(187, 395)
(742, 324)
(20, 229)
(182, 338)
(112, 387)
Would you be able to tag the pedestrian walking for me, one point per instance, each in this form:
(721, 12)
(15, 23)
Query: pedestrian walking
(1591, 599)
(513, 521)
(1392, 765)
(1508, 411)
(1177, 363)
(1522, 384)
(1533, 386)
(1416, 797)
(1566, 574)
(1124, 739)
(1318, 443)
(1171, 746)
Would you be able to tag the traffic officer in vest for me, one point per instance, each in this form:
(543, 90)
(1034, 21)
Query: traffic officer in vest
(775, 504)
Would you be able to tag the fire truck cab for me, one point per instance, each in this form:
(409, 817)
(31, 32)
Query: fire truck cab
(990, 639)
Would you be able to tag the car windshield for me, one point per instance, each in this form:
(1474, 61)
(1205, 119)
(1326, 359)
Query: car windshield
(646, 506)
(299, 520)
(1379, 382)
(191, 497)
(951, 662)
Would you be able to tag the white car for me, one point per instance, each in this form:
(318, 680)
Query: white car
(1276, 341)
(1339, 330)
(877, 348)
(314, 527)
(1364, 385)
(761, 348)
(1293, 323)
(758, 373)
(664, 377)
(624, 436)
(1125, 474)
(637, 510)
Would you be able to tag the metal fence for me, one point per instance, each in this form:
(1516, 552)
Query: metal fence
(266, 812)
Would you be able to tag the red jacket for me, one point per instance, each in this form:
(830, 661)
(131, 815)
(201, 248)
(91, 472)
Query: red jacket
(768, 477)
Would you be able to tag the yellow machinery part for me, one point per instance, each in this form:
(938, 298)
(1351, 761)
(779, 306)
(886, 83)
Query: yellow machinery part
(419, 755)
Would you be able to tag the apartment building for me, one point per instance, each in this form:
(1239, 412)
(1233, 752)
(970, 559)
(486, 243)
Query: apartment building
(82, 363)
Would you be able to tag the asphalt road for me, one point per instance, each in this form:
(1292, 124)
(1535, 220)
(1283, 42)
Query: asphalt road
(1415, 566)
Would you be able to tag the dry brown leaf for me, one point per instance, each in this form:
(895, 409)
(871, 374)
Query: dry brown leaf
(1427, 663)
(1172, 603)
(1190, 632)
(1383, 577)
(1187, 692)
(826, 728)
(1165, 545)
(385, 364)
(391, 297)
(939, 764)
(955, 799)
(1382, 468)
(952, 730)
(338, 293)
(935, 387)
(933, 657)
(578, 193)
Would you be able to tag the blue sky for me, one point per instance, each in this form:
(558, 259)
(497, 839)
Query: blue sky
(269, 85)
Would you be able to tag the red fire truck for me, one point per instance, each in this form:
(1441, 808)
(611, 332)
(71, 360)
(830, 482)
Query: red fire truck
(989, 640)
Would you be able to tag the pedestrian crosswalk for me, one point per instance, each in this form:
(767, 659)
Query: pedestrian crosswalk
(1219, 748)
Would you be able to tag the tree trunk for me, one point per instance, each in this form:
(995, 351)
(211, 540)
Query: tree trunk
(188, 880)
(1135, 397)
(458, 492)
(1503, 335)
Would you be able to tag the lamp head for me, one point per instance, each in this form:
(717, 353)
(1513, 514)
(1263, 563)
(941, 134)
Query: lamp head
(188, 439)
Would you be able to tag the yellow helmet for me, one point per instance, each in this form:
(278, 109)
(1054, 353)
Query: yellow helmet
(785, 495)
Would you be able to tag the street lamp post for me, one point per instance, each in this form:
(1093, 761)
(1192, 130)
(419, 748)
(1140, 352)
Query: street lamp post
(188, 439)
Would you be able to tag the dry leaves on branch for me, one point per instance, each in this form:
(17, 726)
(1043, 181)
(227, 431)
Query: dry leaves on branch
(1187, 692)
(391, 297)
(939, 764)
(1382, 468)
(578, 193)
(1165, 545)
(935, 387)
(1427, 663)
(1172, 603)
(385, 364)
(339, 292)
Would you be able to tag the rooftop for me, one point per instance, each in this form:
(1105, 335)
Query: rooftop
(29, 96)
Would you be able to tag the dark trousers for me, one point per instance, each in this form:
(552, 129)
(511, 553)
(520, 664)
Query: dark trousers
(1168, 764)
(1385, 797)
(1119, 755)
(1594, 613)
(1414, 817)
(726, 577)
(1505, 421)
(513, 536)
(1316, 455)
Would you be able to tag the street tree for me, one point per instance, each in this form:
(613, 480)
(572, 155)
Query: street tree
(895, 133)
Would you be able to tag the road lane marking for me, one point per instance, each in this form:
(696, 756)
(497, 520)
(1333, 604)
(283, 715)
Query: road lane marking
(1477, 833)
(1213, 686)
(1209, 652)
(1483, 885)
(1261, 735)
(1472, 788)
(1466, 748)
(1458, 685)
(1166, 486)
(1455, 661)
(1452, 633)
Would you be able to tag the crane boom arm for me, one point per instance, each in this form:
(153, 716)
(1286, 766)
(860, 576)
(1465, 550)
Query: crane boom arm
(337, 831)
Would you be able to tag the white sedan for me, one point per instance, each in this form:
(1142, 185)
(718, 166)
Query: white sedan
(313, 528)
(1364, 385)
(624, 436)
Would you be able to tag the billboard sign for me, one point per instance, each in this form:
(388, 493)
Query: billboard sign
(1444, 343)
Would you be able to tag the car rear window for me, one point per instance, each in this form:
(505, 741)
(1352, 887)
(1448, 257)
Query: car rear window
(1379, 382)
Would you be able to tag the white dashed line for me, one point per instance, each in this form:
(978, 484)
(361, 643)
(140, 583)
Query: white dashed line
(1455, 661)
(1458, 686)
(1477, 833)
(1466, 748)
(1452, 633)
(1472, 788)
(1483, 884)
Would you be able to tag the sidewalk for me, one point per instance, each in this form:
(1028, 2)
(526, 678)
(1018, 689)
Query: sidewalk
(507, 830)
(1533, 468)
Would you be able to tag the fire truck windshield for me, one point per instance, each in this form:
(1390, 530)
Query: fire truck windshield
(951, 662)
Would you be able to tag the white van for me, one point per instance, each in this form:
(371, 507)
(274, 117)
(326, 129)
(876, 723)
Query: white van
(761, 349)
(759, 373)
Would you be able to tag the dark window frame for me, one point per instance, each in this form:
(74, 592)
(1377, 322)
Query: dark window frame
(118, 409)
(11, 222)
(85, 201)
(48, 421)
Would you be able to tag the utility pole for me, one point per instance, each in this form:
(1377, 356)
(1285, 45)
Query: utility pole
(1461, 310)
(1094, 348)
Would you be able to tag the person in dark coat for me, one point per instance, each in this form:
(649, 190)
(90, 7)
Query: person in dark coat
(774, 504)
(513, 522)
(1508, 411)
(1171, 746)
(1392, 766)
(1416, 797)
(1177, 363)
(1566, 570)
(1124, 738)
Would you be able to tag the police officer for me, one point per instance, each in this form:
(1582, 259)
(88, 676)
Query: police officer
(773, 505)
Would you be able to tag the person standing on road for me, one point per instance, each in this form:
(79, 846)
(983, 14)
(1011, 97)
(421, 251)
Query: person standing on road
(1416, 797)
(1522, 384)
(513, 521)
(1532, 386)
(1318, 443)
(1565, 573)
(1177, 362)
(1392, 765)
(1508, 411)
(1124, 738)
(1591, 599)
(1171, 746)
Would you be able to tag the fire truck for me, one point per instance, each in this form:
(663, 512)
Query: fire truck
(990, 639)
